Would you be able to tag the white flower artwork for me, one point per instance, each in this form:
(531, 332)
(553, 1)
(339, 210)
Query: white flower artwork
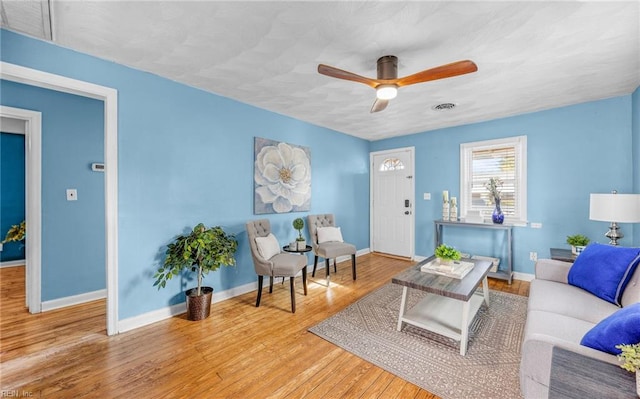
(282, 177)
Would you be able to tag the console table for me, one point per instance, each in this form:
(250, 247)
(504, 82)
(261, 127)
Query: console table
(500, 274)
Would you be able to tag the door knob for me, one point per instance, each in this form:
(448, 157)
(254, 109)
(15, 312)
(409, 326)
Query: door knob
(406, 212)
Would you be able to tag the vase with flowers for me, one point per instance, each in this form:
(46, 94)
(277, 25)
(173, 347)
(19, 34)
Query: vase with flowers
(494, 186)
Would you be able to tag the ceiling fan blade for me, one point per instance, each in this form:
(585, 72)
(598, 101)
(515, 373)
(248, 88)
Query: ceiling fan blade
(379, 105)
(441, 72)
(346, 75)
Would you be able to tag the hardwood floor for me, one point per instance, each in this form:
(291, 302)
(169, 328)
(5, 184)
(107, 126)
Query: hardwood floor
(240, 351)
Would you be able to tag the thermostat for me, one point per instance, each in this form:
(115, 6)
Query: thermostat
(97, 167)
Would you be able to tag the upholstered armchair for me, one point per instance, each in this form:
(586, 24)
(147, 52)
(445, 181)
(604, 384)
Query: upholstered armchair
(268, 260)
(326, 240)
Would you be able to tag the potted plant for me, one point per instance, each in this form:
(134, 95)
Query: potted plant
(447, 254)
(298, 224)
(201, 251)
(17, 233)
(577, 242)
(630, 356)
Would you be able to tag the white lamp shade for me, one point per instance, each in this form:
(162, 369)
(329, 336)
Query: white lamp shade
(621, 208)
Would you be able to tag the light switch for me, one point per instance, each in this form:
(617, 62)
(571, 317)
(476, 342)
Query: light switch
(72, 194)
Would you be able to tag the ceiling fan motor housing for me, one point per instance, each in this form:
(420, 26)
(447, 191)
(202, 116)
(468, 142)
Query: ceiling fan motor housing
(388, 67)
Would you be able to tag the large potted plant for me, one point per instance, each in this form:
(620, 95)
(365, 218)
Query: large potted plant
(201, 251)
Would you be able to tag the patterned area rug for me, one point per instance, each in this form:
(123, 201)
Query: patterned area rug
(490, 368)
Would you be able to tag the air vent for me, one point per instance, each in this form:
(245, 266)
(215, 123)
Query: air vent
(443, 107)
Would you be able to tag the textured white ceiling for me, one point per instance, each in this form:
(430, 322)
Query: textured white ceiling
(530, 55)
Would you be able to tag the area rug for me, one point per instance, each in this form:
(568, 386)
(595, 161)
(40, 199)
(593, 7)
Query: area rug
(367, 329)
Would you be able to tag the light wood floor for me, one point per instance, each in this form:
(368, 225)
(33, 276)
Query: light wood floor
(240, 351)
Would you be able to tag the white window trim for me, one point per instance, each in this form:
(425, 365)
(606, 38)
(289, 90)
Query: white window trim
(520, 145)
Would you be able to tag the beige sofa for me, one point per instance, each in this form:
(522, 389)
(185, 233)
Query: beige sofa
(560, 314)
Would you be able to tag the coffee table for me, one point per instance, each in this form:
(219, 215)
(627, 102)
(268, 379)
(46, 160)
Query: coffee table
(450, 304)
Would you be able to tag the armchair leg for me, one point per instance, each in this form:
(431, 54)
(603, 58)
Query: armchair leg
(293, 294)
(335, 265)
(353, 266)
(270, 284)
(259, 291)
(327, 266)
(315, 264)
(304, 279)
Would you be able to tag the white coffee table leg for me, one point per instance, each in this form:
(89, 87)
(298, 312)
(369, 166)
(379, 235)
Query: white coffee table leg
(464, 327)
(403, 304)
(485, 290)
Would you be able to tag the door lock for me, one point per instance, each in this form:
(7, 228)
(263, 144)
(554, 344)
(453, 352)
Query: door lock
(407, 213)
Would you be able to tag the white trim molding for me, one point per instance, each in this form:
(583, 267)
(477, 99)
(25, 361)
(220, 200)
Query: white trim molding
(33, 193)
(73, 300)
(109, 96)
(13, 263)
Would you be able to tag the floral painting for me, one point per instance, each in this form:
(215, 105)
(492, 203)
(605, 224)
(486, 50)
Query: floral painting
(282, 177)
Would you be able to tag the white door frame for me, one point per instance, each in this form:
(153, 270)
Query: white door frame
(33, 193)
(109, 96)
(412, 230)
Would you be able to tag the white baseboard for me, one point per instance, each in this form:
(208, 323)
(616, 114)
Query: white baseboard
(13, 263)
(73, 300)
(177, 309)
(523, 276)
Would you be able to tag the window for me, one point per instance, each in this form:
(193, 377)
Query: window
(505, 159)
(390, 164)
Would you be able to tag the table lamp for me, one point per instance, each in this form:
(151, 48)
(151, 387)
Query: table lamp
(615, 208)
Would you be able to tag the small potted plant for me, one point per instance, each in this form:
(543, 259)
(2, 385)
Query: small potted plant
(298, 224)
(630, 356)
(201, 251)
(577, 242)
(17, 233)
(447, 254)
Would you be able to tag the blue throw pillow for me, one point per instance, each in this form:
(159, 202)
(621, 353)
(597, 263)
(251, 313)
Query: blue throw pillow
(622, 327)
(604, 270)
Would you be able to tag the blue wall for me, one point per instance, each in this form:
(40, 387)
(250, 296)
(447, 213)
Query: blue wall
(186, 156)
(12, 192)
(73, 232)
(568, 158)
(635, 117)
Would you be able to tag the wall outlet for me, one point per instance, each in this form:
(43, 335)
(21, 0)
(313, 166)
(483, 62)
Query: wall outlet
(536, 225)
(533, 256)
(426, 196)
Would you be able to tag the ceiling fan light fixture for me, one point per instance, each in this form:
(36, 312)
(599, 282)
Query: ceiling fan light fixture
(386, 92)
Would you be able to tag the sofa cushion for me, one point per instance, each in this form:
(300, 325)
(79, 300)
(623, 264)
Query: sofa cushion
(604, 270)
(622, 327)
(556, 325)
(555, 297)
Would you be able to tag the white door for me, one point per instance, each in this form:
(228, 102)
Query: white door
(392, 195)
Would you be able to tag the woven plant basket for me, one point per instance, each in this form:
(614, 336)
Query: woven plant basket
(198, 307)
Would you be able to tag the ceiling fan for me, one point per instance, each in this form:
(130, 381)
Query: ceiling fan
(387, 83)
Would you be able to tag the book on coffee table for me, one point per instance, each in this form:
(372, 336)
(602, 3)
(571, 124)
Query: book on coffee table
(457, 269)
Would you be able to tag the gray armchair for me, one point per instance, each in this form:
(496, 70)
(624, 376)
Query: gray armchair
(328, 250)
(278, 265)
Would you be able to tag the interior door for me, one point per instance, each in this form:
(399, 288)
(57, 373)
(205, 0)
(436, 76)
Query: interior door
(392, 196)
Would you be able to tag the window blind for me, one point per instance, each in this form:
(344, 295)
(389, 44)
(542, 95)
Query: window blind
(497, 162)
